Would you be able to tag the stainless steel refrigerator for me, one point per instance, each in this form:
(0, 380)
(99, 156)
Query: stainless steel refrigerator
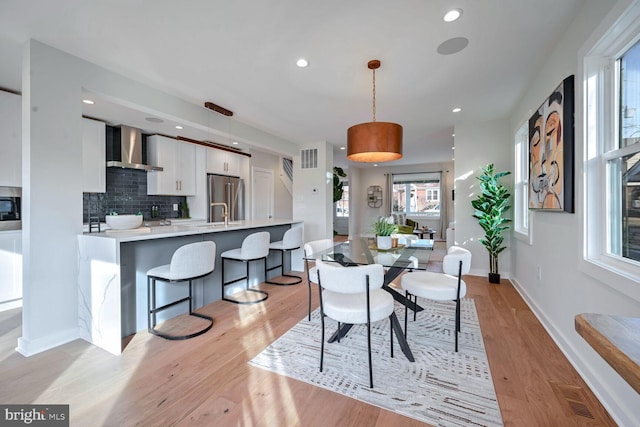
(225, 189)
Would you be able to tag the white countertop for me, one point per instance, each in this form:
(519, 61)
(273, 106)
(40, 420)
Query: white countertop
(185, 229)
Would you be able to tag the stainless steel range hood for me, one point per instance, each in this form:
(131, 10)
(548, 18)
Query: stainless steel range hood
(126, 152)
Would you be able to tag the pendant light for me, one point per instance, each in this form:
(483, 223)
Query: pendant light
(374, 141)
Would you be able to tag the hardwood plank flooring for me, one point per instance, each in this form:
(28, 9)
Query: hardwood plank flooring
(206, 380)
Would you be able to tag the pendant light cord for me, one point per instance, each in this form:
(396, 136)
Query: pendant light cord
(374, 94)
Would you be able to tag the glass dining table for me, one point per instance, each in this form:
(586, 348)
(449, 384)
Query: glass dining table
(363, 251)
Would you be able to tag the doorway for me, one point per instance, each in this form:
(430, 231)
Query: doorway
(261, 193)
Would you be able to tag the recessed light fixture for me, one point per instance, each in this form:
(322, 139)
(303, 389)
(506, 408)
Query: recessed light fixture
(452, 15)
(88, 101)
(302, 63)
(154, 120)
(375, 165)
(178, 127)
(453, 148)
(235, 143)
(456, 110)
(453, 134)
(342, 148)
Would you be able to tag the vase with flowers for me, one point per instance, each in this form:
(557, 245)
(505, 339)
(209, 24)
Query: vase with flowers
(384, 228)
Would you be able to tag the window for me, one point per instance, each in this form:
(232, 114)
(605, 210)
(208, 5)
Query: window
(521, 177)
(611, 77)
(417, 194)
(342, 205)
(623, 169)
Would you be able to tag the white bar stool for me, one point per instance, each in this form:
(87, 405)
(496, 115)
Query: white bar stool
(188, 262)
(291, 241)
(254, 247)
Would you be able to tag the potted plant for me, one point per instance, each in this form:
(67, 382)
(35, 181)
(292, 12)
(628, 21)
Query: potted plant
(490, 206)
(384, 228)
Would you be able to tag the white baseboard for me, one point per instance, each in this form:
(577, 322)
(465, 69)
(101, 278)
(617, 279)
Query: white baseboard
(28, 347)
(9, 305)
(589, 374)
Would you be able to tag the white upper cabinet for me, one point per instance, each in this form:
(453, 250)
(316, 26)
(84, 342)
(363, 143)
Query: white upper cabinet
(224, 162)
(10, 139)
(178, 159)
(94, 162)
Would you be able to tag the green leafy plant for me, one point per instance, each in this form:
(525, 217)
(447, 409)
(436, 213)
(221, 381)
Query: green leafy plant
(338, 186)
(385, 226)
(490, 206)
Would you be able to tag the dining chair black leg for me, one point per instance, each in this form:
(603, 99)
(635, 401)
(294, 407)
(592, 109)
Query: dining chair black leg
(406, 310)
(369, 348)
(457, 326)
(415, 299)
(309, 284)
(321, 341)
(391, 333)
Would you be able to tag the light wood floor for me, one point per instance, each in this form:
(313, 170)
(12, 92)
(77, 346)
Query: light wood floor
(207, 381)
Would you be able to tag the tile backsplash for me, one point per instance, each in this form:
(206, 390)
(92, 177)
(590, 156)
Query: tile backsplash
(127, 194)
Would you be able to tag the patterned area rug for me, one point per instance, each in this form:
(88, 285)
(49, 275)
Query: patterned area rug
(442, 388)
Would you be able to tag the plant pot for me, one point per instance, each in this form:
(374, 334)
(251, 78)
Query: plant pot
(383, 242)
(494, 277)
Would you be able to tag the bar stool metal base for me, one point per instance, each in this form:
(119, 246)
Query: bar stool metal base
(153, 310)
(258, 291)
(273, 282)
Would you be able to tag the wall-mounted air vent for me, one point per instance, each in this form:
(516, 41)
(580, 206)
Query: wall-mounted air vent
(309, 158)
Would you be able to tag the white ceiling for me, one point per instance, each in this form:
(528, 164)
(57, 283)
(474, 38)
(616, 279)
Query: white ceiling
(241, 55)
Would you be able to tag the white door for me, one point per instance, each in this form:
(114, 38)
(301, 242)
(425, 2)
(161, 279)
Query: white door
(261, 193)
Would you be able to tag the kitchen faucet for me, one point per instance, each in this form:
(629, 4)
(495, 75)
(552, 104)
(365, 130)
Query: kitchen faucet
(225, 213)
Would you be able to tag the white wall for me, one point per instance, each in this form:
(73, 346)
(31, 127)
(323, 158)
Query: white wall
(52, 164)
(564, 290)
(313, 193)
(476, 146)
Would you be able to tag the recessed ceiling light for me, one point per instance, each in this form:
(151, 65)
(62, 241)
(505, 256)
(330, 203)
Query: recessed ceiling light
(235, 142)
(453, 134)
(452, 15)
(453, 148)
(375, 165)
(342, 148)
(456, 110)
(302, 63)
(178, 127)
(88, 101)
(154, 120)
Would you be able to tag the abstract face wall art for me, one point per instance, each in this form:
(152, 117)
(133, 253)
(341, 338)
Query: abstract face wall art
(551, 152)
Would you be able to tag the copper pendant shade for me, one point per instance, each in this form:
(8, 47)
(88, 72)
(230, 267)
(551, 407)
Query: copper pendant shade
(374, 141)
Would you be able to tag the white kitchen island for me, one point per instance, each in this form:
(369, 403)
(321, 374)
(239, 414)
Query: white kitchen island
(112, 282)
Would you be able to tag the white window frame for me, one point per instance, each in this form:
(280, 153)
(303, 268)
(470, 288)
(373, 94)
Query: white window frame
(521, 226)
(341, 202)
(599, 111)
(419, 176)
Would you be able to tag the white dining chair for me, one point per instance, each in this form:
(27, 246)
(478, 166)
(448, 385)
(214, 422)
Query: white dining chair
(353, 295)
(438, 286)
(311, 248)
